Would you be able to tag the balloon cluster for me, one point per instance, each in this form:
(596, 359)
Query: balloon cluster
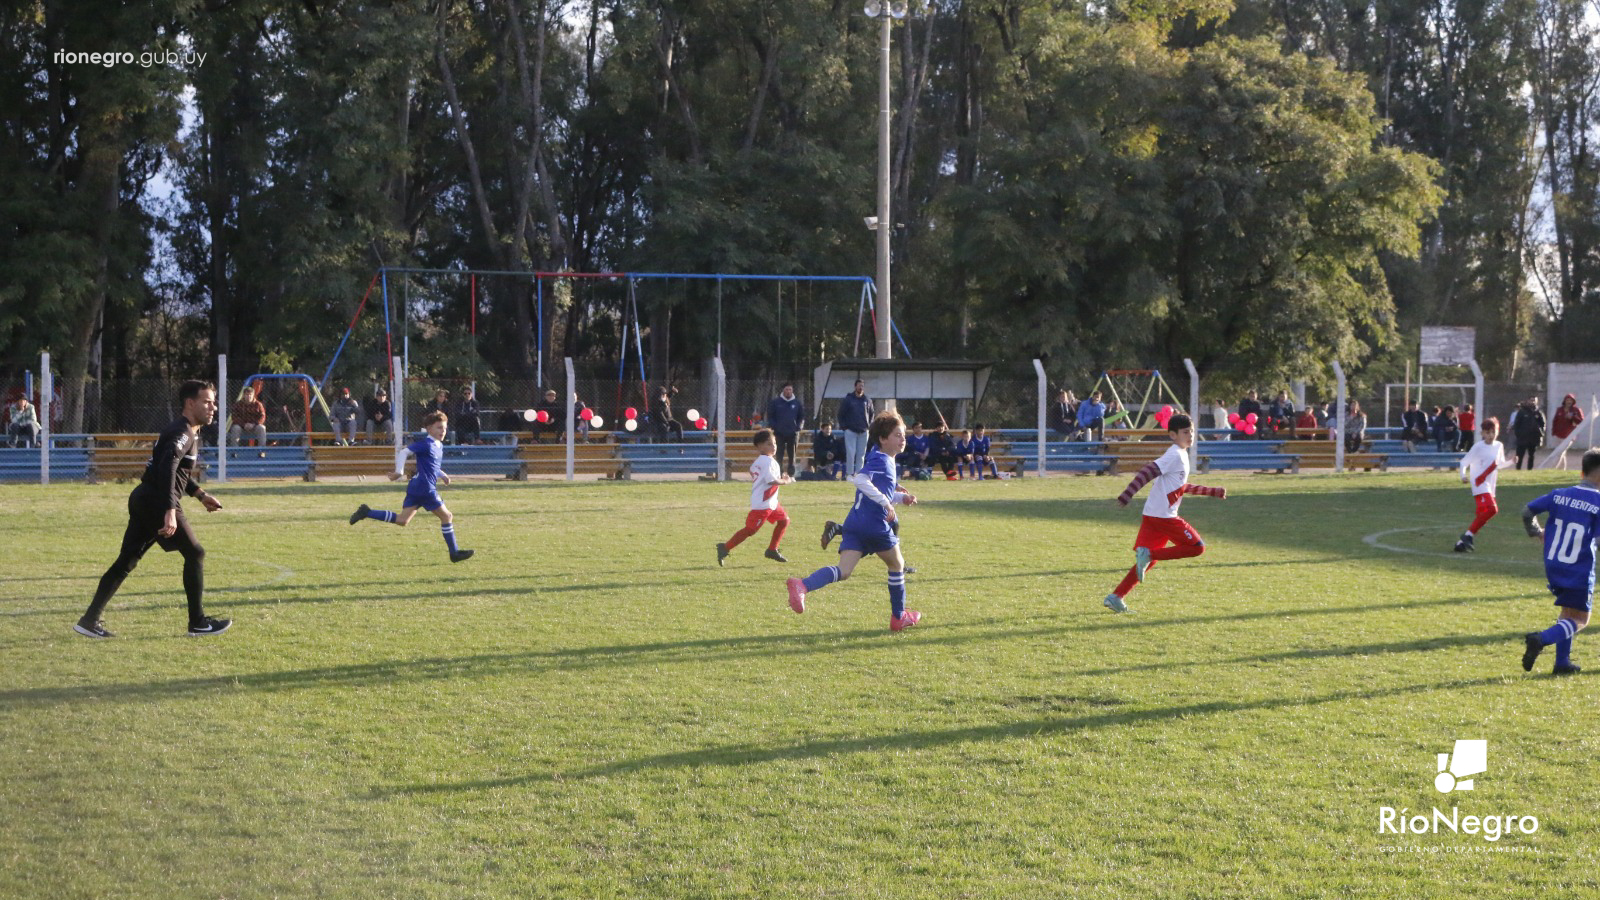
(1245, 423)
(698, 420)
(630, 419)
(1164, 415)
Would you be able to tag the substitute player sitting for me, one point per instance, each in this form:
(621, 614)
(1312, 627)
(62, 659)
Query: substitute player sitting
(764, 505)
(422, 491)
(869, 526)
(1569, 560)
(1162, 525)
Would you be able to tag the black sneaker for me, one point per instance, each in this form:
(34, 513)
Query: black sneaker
(1461, 546)
(1568, 669)
(775, 555)
(1465, 544)
(360, 513)
(460, 555)
(92, 629)
(830, 530)
(722, 553)
(1534, 647)
(209, 625)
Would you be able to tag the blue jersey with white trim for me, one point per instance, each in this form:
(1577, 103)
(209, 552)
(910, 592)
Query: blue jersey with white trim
(429, 453)
(866, 516)
(1569, 536)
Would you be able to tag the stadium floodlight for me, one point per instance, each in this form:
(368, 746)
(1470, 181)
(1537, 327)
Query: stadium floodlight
(871, 222)
(898, 9)
(874, 8)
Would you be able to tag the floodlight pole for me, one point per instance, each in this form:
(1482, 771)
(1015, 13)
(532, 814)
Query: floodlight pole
(572, 387)
(222, 418)
(47, 393)
(397, 419)
(722, 416)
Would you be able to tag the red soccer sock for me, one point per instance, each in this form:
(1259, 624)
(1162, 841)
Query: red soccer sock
(1482, 520)
(740, 535)
(1177, 551)
(777, 533)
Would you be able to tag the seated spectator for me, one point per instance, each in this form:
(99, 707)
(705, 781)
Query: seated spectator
(978, 447)
(380, 415)
(1446, 430)
(1064, 415)
(580, 422)
(963, 453)
(1413, 425)
(464, 420)
(249, 417)
(827, 452)
(1355, 427)
(553, 412)
(1092, 418)
(1280, 413)
(23, 424)
(663, 424)
(1306, 420)
(1116, 415)
(1250, 404)
(342, 416)
(914, 459)
(942, 451)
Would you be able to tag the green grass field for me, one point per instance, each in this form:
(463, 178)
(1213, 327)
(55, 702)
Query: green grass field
(591, 708)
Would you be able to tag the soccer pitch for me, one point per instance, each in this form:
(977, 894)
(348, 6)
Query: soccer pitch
(591, 708)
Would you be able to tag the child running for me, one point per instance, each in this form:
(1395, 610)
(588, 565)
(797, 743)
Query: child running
(421, 491)
(1480, 467)
(1162, 525)
(1569, 561)
(764, 505)
(868, 527)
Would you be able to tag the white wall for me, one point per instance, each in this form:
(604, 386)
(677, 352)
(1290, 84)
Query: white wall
(1579, 379)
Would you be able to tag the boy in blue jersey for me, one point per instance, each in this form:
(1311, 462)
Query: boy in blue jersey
(979, 448)
(1569, 554)
(421, 491)
(867, 529)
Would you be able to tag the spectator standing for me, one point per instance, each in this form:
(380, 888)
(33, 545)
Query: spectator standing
(1527, 426)
(465, 417)
(786, 416)
(1563, 430)
(380, 414)
(855, 415)
(342, 417)
(24, 423)
(1063, 415)
(1092, 418)
(1468, 422)
(249, 417)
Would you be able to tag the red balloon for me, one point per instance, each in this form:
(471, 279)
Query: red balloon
(1251, 418)
(541, 416)
(701, 423)
(1233, 418)
(1249, 428)
(1167, 411)
(630, 413)
(586, 414)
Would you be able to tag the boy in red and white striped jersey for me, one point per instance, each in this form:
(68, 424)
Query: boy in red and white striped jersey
(1162, 526)
(1480, 467)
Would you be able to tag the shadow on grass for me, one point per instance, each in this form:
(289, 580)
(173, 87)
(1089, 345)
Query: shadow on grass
(708, 650)
(749, 754)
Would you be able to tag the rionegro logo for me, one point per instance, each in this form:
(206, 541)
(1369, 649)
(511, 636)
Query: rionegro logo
(1470, 758)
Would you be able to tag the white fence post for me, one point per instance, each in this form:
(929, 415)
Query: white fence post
(572, 388)
(1194, 410)
(47, 393)
(222, 418)
(722, 416)
(1044, 388)
(1342, 412)
(397, 421)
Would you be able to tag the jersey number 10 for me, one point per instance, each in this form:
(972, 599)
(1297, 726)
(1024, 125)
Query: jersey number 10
(1567, 543)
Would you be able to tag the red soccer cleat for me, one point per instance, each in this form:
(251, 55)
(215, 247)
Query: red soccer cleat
(907, 619)
(797, 595)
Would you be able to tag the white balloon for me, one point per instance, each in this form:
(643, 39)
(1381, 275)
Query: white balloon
(596, 422)
(694, 414)
(529, 415)
(631, 425)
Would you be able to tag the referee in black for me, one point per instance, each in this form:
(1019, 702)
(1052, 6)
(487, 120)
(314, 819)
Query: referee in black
(154, 516)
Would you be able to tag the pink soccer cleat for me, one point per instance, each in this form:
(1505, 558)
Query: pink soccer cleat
(907, 619)
(797, 595)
